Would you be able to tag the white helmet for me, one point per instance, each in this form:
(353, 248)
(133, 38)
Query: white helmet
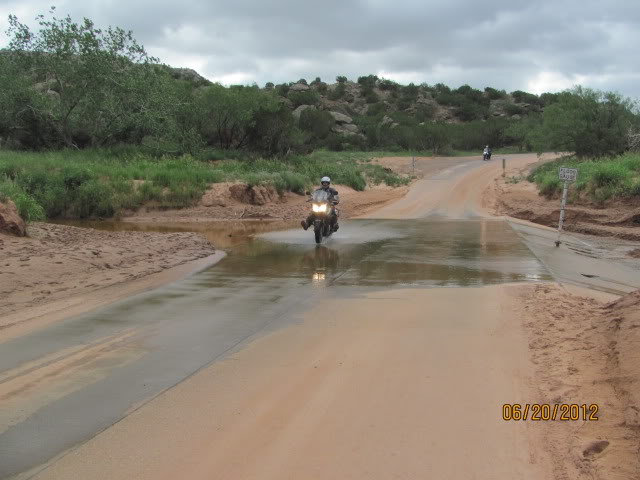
(325, 179)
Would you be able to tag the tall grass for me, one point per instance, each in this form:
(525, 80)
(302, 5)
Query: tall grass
(28, 208)
(99, 183)
(598, 180)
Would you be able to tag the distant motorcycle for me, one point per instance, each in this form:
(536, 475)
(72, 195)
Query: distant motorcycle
(323, 210)
(486, 156)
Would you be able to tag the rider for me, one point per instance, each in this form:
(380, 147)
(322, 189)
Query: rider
(334, 199)
(487, 151)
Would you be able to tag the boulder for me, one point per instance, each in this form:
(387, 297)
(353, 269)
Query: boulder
(298, 87)
(298, 111)
(360, 109)
(341, 118)
(189, 75)
(10, 221)
(253, 195)
(345, 129)
(386, 120)
(285, 101)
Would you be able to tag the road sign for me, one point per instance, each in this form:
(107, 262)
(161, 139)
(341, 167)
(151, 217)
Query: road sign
(568, 174)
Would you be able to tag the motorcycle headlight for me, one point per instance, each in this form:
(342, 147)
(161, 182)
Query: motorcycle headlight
(320, 208)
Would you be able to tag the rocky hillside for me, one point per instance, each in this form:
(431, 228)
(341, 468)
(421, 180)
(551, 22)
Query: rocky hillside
(390, 103)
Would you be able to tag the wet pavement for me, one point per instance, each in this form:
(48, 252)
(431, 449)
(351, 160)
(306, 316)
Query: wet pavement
(63, 384)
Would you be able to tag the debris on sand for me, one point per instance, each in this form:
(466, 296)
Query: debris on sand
(10, 221)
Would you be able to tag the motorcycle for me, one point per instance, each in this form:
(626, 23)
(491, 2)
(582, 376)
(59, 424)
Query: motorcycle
(322, 209)
(486, 156)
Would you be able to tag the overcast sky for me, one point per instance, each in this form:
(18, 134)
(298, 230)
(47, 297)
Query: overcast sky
(532, 45)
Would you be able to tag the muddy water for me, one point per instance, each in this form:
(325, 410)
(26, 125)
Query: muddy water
(135, 349)
(224, 234)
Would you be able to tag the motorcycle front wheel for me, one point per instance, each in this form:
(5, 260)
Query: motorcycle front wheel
(318, 233)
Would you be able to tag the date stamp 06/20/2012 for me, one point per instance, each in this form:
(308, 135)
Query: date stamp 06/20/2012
(543, 412)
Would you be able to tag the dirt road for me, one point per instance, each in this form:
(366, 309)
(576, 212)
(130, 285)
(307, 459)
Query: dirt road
(290, 361)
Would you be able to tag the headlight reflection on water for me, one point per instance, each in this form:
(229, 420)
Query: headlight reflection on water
(318, 276)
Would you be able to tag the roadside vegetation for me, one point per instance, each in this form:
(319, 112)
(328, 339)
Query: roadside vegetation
(599, 180)
(103, 183)
(91, 125)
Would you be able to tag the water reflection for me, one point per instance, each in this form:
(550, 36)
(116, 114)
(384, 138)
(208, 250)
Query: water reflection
(364, 252)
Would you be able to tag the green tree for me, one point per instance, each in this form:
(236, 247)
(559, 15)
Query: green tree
(228, 114)
(98, 82)
(523, 132)
(272, 131)
(20, 123)
(317, 122)
(435, 137)
(588, 122)
(494, 94)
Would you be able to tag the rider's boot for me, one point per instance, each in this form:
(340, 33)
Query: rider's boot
(304, 225)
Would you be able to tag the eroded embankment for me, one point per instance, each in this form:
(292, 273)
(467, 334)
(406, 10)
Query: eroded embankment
(518, 198)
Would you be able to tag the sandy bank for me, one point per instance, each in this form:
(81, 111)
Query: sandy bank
(61, 266)
(586, 352)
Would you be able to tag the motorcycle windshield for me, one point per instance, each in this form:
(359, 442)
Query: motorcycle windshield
(320, 196)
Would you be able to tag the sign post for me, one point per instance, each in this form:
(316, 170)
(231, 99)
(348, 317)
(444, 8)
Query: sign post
(504, 166)
(567, 175)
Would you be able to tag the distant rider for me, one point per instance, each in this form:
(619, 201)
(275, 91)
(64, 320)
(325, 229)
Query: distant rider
(334, 199)
(486, 152)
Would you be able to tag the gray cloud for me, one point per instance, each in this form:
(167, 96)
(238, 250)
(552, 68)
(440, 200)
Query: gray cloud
(511, 44)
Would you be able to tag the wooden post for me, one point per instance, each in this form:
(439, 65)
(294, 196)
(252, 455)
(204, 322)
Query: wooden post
(562, 205)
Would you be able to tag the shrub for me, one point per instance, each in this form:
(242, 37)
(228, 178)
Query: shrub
(316, 122)
(513, 109)
(494, 94)
(425, 112)
(94, 199)
(28, 208)
(368, 81)
(371, 97)
(376, 109)
(609, 175)
(388, 85)
(282, 89)
(523, 97)
(338, 92)
(549, 185)
(307, 97)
